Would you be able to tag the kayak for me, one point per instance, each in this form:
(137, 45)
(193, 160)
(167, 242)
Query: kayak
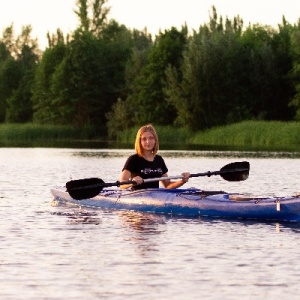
(95, 193)
(188, 203)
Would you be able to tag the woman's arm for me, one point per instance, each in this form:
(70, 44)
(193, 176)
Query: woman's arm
(126, 175)
(175, 184)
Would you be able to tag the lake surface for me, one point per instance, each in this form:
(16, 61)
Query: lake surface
(72, 253)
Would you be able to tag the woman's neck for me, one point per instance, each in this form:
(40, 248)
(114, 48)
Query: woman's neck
(148, 155)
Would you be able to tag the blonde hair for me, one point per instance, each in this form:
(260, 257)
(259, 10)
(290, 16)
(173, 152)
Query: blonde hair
(138, 146)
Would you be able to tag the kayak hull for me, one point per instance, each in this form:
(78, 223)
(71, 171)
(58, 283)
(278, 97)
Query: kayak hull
(189, 203)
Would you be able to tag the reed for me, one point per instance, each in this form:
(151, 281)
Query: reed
(166, 134)
(29, 132)
(273, 135)
(251, 133)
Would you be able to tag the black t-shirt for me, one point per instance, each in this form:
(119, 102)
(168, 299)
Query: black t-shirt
(139, 166)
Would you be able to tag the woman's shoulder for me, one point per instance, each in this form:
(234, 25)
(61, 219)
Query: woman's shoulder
(132, 160)
(158, 157)
(133, 157)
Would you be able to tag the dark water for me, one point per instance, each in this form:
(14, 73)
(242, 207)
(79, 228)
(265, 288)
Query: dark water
(73, 253)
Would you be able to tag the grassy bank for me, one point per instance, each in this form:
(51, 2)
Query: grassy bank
(34, 135)
(252, 133)
(17, 132)
(246, 135)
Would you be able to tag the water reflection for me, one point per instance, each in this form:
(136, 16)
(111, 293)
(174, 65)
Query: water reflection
(295, 227)
(80, 217)
(104, 153)
(144, 227)
(143, 222)
(278, 227)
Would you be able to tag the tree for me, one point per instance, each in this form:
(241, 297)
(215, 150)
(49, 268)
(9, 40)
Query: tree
(76, 82)
(228, 75)
(17, 74)
(205, 92)
(6, 76)
(57, 38)
(43, 98)
(122, 114)
(84, 87)
(19, 108)
(92, 15)
(148, 90)
(295, 72)
(10, 75)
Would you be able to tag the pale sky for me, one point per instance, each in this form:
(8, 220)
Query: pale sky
(48, 15)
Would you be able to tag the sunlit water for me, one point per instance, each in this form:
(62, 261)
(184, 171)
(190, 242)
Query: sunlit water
(71, 253)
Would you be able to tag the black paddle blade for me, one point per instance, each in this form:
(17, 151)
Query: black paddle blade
(237, 171)
(84, 188)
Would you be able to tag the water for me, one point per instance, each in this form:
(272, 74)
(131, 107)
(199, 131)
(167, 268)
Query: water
(72, 253)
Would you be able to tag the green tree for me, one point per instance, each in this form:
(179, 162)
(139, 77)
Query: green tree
(57, 38)
(205, 90)
(148, 90)
(281, 86)
(92, 15)
(228, 75)
(122, 114)
(76, 82)
(17, 74)
(295, 71)
(7, 82)
(19, 108)
(43, 100)
(90, 78)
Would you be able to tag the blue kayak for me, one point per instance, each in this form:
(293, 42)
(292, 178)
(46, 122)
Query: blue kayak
(189, 203)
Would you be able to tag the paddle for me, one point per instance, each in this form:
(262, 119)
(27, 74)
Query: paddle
(91, 187)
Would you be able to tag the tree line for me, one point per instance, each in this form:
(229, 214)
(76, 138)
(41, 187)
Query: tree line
(108, 78)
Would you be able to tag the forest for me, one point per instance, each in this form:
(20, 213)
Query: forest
(107, 78)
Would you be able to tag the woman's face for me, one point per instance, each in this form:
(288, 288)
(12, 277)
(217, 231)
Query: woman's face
(147, 141)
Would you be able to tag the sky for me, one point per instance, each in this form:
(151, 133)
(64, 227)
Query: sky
(48, 15)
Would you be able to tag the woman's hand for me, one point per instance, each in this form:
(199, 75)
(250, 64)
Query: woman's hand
(186, 176)
(138, 180)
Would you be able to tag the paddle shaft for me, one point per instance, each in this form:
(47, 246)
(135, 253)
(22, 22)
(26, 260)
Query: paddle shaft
(118, 183)
(209, 173)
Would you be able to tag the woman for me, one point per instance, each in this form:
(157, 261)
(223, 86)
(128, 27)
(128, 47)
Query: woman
(146, 163)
